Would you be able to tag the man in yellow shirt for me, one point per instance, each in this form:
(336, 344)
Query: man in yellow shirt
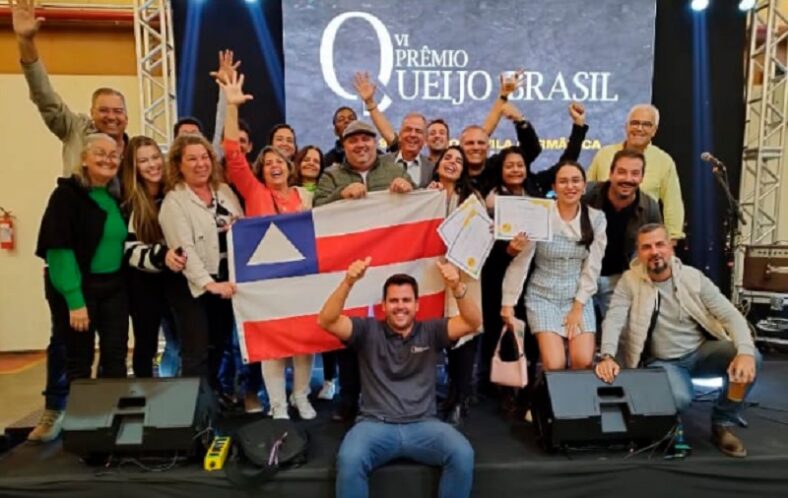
(661, 180)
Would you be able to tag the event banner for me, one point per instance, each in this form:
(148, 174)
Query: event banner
(444, 59)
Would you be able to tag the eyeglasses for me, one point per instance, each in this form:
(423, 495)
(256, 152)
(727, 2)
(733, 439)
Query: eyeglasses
(102, 154)
(646, 125)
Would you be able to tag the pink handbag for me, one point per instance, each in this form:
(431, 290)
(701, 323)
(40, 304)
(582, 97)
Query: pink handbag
(509, 373)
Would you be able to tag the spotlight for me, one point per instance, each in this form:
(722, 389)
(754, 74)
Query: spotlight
(251, 1)
(746, 5)
(699, 5)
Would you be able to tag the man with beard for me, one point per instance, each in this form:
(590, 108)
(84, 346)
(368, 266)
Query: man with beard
(626, 209)
(669, 315)
(361, 171)
(397, 357)
(407, 144)
(662, 180)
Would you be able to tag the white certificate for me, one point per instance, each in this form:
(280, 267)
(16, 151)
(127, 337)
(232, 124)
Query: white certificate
(453, 224)
(473, 243)
(527, 215)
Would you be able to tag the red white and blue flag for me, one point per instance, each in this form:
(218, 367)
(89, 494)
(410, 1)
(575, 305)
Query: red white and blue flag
(286, 266)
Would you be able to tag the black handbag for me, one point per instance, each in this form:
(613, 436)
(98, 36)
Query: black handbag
(264, 447)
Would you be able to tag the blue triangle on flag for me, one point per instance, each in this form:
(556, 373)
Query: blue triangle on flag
(248, 233)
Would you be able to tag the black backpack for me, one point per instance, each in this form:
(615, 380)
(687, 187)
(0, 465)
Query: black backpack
(263, 447)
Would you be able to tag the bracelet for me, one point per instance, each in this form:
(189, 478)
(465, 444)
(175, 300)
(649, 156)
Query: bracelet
(372, 107)
(462, 294)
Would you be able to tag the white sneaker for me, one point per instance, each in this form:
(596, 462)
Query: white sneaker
(279, 411)
(48, 427)
(304, 407)
(327, 391)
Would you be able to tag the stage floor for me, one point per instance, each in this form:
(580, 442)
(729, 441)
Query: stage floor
(508, 463)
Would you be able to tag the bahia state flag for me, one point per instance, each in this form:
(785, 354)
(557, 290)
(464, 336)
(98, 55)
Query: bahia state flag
(286, 266)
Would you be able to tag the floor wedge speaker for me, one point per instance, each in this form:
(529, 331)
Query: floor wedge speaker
(575, 408)
(137, 416)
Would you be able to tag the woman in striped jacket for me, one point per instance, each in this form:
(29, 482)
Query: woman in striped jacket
(147, 256)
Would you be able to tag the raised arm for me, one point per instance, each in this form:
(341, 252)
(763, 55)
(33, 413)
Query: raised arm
(497, 109)
(579, 129)
(331, 317)
(238, 170)
(57, 116)
(469, 318)
(365, 89)
(223, 73)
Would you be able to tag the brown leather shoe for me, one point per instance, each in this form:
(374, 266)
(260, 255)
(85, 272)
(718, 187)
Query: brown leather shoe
(727, 441)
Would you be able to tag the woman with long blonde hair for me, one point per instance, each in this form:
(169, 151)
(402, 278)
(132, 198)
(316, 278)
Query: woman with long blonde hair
(146, 254)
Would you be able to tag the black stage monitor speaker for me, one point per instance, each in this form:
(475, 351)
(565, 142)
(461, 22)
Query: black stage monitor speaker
(575, 408)
(137, 416)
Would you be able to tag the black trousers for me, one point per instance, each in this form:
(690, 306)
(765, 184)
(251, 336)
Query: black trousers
(330, 365)
(147, 306)
(108, 312)
(204, 324)
(349, 379)
(460, 370)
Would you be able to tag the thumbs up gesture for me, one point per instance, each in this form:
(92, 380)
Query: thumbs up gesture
(357, 269)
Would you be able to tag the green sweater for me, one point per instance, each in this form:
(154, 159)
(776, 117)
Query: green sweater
(63, 269)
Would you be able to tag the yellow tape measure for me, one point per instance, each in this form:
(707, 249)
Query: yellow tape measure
(217, 453)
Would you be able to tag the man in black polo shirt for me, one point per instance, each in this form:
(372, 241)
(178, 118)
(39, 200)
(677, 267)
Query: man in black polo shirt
(626, 209)
(397, 360)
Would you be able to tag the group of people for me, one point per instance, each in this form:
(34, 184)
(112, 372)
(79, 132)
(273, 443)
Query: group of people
(130, 232)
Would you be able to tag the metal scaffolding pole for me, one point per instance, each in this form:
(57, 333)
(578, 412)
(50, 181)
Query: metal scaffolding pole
(155, 68)
(766, 103)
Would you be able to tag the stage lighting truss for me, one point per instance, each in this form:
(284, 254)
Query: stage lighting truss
(764, 132)
(155, 68)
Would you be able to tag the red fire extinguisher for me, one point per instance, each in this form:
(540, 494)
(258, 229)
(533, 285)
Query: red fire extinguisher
(6, 230)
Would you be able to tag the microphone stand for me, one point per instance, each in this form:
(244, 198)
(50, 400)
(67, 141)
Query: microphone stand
(721, 175)
(732, 232)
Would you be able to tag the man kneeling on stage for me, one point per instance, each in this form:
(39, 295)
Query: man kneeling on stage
(397, 358)
(672, 316)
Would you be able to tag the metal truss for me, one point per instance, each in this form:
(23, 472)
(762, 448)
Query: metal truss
(764, 132)
(155, 68)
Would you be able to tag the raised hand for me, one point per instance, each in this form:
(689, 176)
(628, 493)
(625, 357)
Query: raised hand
(578, 113)
(357, 269)
(233, 89)
(509, 85)
(23, 18)
(364, 86)
(450, 274)
(517, 244)
(227, 66)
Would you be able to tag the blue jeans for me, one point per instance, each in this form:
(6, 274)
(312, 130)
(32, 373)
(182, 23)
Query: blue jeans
(604, 292)
(711, 359)
(170, 365)
(370, 444)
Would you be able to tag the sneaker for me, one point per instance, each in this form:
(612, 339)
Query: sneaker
(727, 441)
(48, 427)
(304, 407)
(327, 391)
(279, 411)
(252, 403)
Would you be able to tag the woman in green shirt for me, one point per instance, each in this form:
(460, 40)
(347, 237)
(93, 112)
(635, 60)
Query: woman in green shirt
(81, 238)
